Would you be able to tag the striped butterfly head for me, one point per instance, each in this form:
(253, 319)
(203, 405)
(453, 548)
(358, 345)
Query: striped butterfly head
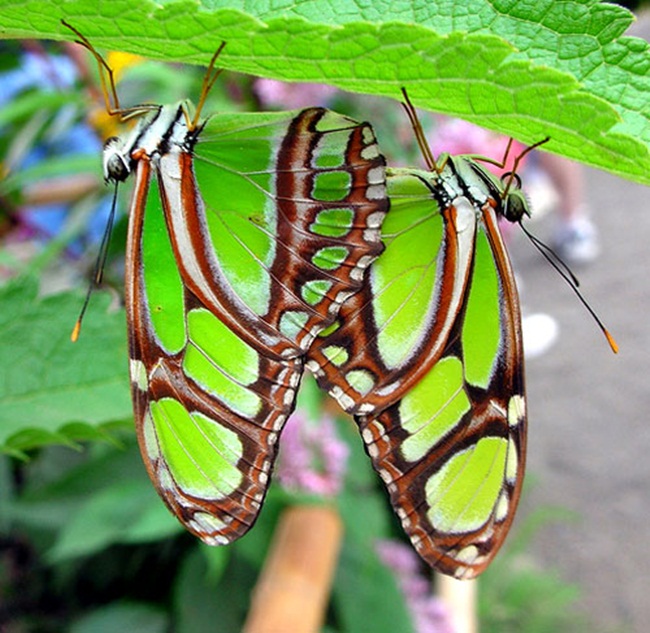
(159, 128)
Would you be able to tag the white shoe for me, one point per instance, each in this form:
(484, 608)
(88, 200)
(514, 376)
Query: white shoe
(576, 242)
(540, 331)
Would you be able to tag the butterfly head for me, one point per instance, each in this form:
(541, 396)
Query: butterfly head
(115, 164)
(514, 203)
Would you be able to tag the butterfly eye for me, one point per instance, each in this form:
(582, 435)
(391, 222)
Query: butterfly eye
(515, 205)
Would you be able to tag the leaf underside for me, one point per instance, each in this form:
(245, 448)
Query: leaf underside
(528, 70)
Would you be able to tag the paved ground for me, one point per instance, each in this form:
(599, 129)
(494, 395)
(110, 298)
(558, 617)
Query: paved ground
(589, 410)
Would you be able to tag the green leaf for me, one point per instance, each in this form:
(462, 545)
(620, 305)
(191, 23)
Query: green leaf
(366, 515)
(53, 167)
(216, 559)
(152, 521)
(90, 501)
(31, 103)
(366, 595)
(123, 616)
(54, 391)
(527, 69)
(203, 606)
(127, 512)
(7, 492)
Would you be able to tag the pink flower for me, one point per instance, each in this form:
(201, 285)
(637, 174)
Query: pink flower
(312, 458)
(279, 94)
(429, 613)
(455, 136)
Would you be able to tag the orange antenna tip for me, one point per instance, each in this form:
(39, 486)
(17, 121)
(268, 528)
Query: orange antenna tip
(74, 337)
(612, 343)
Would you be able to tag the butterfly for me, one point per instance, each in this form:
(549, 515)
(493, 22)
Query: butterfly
(247, 232)
(428, 357)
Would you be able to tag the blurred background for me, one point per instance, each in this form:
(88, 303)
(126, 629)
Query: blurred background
(86, 545)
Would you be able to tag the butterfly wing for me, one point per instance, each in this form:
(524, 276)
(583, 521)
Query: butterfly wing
(228, 279)
(293, 220)
(398, 324)
(444, 419)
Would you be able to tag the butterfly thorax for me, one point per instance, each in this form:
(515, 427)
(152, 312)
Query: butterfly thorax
(465, 176)
(462, 177)
(161, 130)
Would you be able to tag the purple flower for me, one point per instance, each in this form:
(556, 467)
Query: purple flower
(429, 613)
(312, 458)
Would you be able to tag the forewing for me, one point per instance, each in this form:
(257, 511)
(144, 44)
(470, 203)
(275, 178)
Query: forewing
(294, 206)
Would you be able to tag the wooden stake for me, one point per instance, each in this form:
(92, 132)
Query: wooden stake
(292, 592)
(460, 596)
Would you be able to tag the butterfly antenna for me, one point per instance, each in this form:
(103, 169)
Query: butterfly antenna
(504, 160)
(548, 252)
(108, 86)
(208, 81)
(565, 272)
(515, 165)
(412, 114)
(100, 263)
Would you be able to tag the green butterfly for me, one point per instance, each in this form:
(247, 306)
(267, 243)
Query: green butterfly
(240, 251)
(429, 359)
(246, 234)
